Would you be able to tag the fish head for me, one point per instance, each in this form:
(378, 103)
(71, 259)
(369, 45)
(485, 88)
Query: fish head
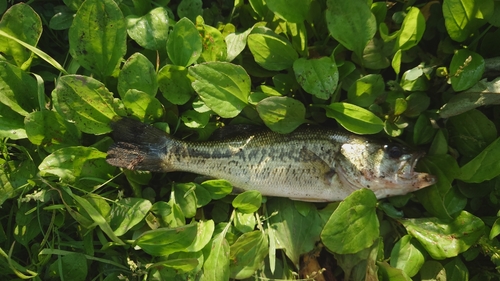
(386, 169)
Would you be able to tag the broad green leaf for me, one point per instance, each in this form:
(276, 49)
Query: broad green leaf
(484, 166)
(71, 267)
(390, 273)
(456, 270)
(432, 270)
(247, 254)
(433, 198)
(354, 118)
(354, 225)
(216, 266)
(128, 212)
(495, 229)
(244, 222)
(281, 114)
(73, 163)
(483, 93)
(205, 231)
(49, 130)
(295, 233)
(351, 23)
(23, 23)
(151, 30)
(270, 50)
(184, 43)
(203, 197)
(412, 29)
(142, 105)
(319, 77)
(165, 241)
(186, 198)
(471, 132)
(248, 202)
(423, 132)
(15, 177)
(462, 17)
(190, 9)
(466, 69)
(97, 37)
(86, 102)
(217, 188)
(291, 11)
(407, 255)
(214, 46)
(236, 43)
(193, 119)
(357, 265)
(175, 84)
(137, 73)
(366, 90)
(446, 239)
(161, 211)
(179, 265)
(62, 19)
(374, 55)
(416, 102)
(224, 87)
(18, 89)
(11, 124)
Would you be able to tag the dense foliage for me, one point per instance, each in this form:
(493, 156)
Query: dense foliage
(422, 73)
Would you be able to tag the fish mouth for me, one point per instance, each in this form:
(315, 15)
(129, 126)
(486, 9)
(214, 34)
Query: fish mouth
(419, 179)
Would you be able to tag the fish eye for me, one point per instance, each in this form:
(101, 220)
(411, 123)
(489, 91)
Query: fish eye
(394, 151)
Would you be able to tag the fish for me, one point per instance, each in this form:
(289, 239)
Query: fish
(310, 164)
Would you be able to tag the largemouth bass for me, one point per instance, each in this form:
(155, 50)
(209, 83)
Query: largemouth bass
(309, 164)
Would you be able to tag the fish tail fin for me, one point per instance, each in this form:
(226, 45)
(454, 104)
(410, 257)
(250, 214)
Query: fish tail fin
(137, 146)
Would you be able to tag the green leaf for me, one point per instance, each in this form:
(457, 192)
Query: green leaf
(390, 273)
(423, 132)
(354, 225)
(62, 20)
(11, 124)
(281, 114)
(175, 84)
(318, 77)
(270, 50)
(471, 132)
(347, 18)
(216, 266)
(49, 130)
(217, 188)
(407, 255)
(97, 37)
(416, 102)
(165, 241)
(462, 17)
(23, 23)
(128, 212)
(205, 231)
(484, 166)
(248, 202)
(71, 267)
(137, 73)
(291, 11)
(73, 163)
(354, 118)
(224, 87)
(247, 254)
(236, 43)
(244, 222)
(446, 239)
(366, 90)
(142, 105)
(434, 198)
(184, 43)
(214, 46)
(193, 119)
(151, 30)
(412, 29)
(86, 102)
(456, 270)
(432, 270)
(295, 233)
(190, 9)
(466, 69)
(17, 89)
(186, 198)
